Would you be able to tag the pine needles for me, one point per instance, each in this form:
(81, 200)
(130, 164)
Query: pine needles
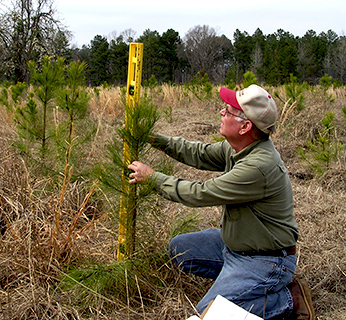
(58, 233)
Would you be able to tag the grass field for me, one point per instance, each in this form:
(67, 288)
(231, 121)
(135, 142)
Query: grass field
(59, 234)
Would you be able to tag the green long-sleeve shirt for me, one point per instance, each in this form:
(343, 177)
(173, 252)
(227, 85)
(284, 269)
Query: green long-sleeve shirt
(254, 190)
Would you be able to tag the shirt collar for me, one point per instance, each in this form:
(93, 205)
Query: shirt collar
(244, 152)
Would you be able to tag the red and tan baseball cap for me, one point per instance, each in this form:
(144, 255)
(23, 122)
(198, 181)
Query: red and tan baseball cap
(257, 104)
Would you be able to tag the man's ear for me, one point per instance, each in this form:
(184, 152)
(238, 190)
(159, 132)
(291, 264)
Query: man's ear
(245, 127)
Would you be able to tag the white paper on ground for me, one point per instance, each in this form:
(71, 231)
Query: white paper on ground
(223, 309)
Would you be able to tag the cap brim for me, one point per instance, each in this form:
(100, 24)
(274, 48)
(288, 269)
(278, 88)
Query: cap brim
(230, 97)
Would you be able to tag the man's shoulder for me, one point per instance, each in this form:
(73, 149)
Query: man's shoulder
(264, 155)
(266, 148)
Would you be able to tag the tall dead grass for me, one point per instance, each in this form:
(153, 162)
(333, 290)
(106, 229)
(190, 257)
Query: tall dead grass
(48, 229)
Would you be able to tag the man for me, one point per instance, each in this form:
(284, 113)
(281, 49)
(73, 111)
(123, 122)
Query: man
(252, 257)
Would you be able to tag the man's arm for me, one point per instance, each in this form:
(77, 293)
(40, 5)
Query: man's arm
(233, 187)
(196, 154)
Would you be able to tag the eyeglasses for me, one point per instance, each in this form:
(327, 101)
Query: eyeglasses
(225, 111)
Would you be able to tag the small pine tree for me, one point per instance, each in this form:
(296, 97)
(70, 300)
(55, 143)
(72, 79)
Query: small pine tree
(46, 80)
(294, 91)
(201, 86)
(324, 149)
(326, 81)
(152, 82)
(4, 96)
(141, 121)
(73, 100)
(17, 91)
(28, 125)
(249, 79)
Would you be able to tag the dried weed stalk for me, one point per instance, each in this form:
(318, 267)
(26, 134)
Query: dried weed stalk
(34, 212)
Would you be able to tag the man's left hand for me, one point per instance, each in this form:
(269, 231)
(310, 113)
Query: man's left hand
(141, 172)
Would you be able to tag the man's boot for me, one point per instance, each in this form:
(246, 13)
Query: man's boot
(302, 302)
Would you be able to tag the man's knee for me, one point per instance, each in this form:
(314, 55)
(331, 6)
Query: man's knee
(176, 249)
(173, 246)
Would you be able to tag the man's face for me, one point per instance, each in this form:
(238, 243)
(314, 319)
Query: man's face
(230, 124)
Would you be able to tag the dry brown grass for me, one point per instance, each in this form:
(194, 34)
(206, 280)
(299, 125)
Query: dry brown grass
(34, 256)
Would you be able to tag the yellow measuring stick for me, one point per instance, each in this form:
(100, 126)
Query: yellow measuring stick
(127, 213)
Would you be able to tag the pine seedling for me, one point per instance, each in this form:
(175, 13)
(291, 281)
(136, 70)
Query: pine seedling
(249, 79)
(11, 95)
(4, 98)
(74, 97)
(17, 91)
(201, 86)
(326, 82)
(324, 149)
(123, 283)
(294, 91)
(28, 125)
(138, 132)
(46, 80)
(72, 125)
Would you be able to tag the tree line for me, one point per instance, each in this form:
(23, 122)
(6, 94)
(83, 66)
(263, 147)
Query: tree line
(29, 31)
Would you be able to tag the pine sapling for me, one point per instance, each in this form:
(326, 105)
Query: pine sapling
(46, 80)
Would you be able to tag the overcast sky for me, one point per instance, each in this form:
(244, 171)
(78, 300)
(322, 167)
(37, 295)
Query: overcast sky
(86, 18)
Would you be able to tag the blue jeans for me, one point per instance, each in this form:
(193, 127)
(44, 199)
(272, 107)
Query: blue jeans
(256, 283)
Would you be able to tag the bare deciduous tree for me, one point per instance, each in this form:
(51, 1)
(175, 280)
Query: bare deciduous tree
(257, 61)
(28, 31)
(206, 51)
(340, 60)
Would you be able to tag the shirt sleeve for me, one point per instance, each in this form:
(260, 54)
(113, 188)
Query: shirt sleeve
(196, 154)
(244, 183)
